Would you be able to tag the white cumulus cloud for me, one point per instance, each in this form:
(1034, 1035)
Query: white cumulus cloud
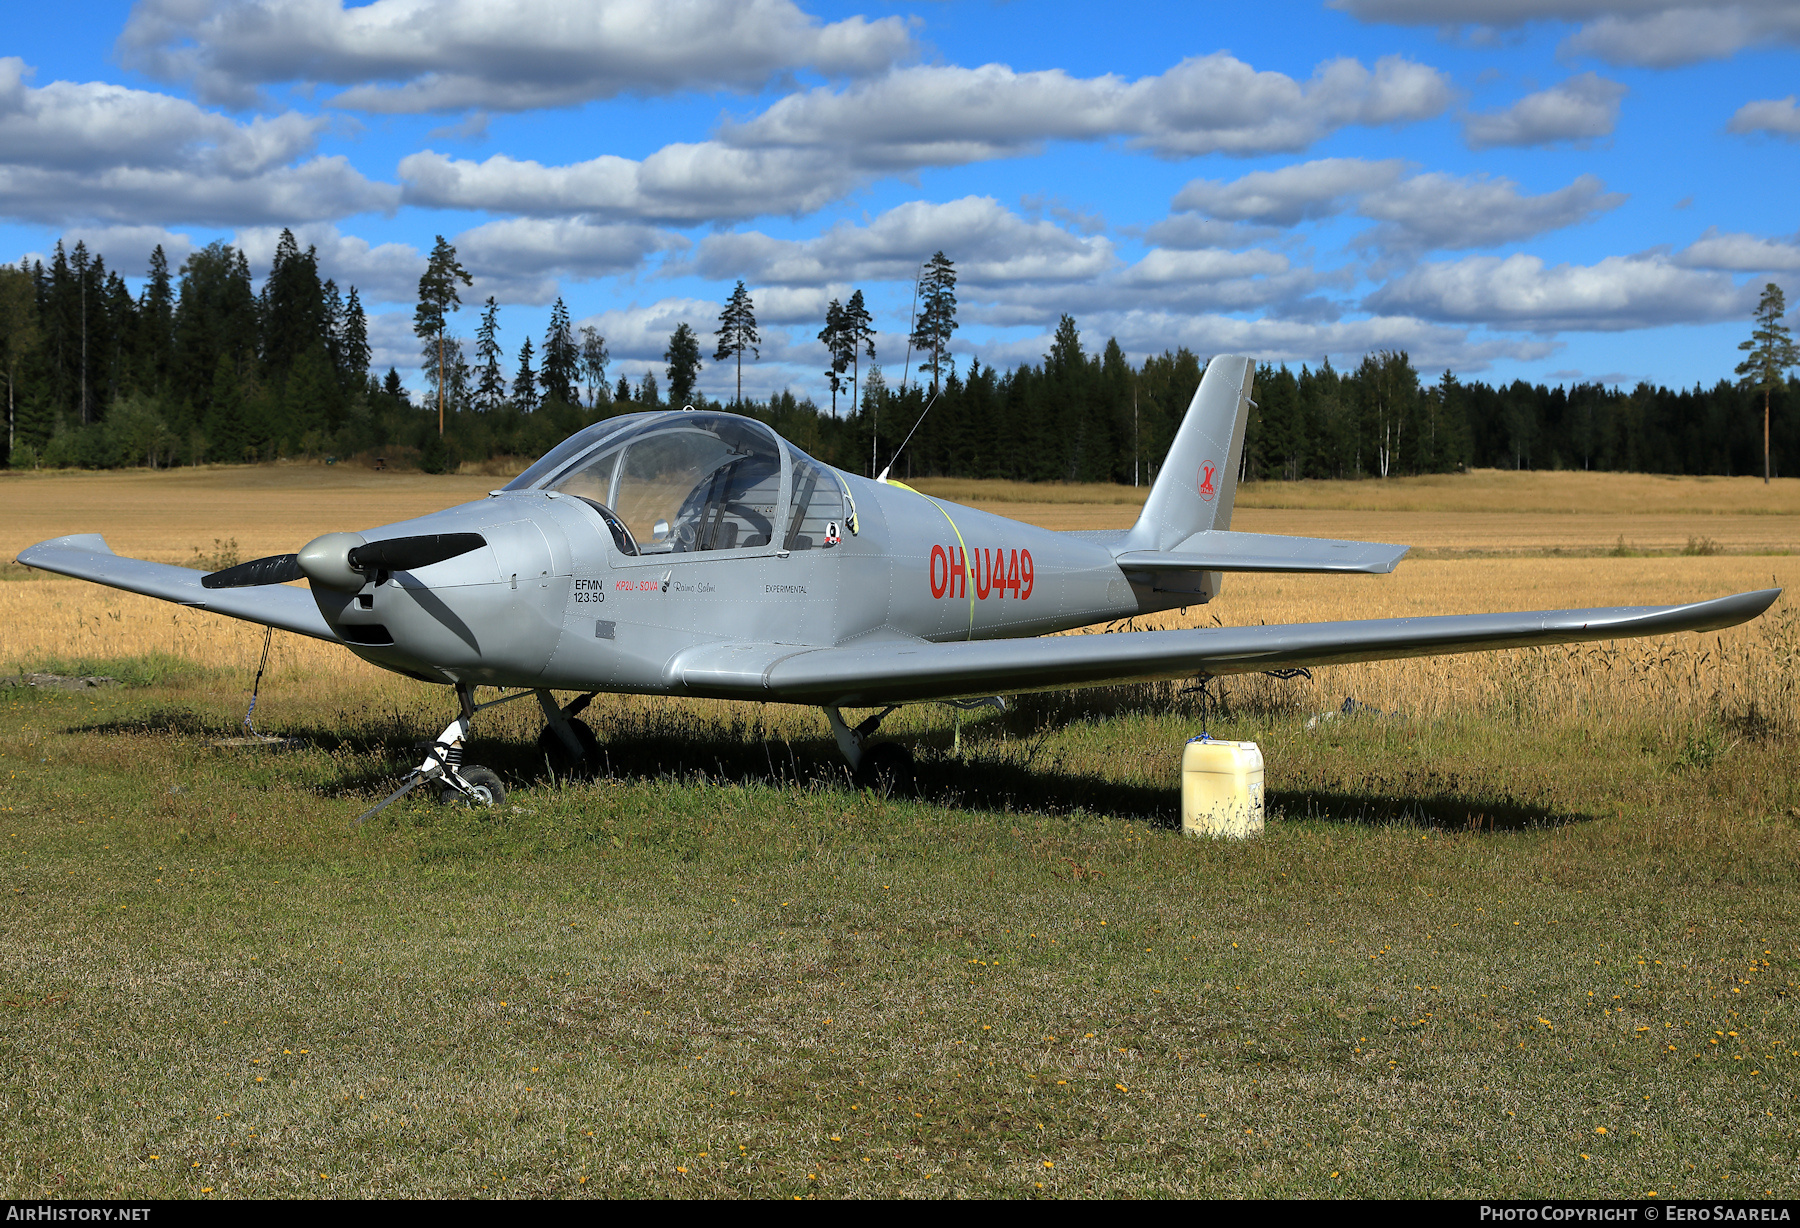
(1776, 116)
(1414, 213)
(1521, 292)
(1740, 253)
(96, 150)
(1583, 108)
(1290, 195)
(944, 115)
(990, 245)
(1457, 212)
(499, 55)
(1645, 33)
(682, 183)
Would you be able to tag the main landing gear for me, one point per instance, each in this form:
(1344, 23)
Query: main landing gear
(882, 765)
(568, 744)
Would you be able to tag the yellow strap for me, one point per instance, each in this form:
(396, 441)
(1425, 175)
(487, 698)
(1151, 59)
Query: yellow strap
(968, 579)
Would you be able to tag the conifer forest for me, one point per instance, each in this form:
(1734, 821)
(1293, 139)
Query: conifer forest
(201, 366)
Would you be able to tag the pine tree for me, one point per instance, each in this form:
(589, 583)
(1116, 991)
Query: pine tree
(356, 354)
(395, 391)
(227, 428)
(593, 363)
(859, 338)
(683, 357)
(83, 269)
(293, 307)
(561, 362)
(437, 299)
(490, 389)
(117, 328)
(832, 336)
(59, 310)
(334, 325)
(648, 396)
(937, 314)
(623, 391)
(525, 382)
(214, 315)
(19, 338)
(737, 333)
(156, 317)
(1772, 351)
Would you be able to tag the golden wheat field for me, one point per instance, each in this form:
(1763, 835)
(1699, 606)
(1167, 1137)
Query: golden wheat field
(1491, 559)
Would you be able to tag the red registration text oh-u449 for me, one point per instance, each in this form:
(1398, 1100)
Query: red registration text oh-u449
(995, 573)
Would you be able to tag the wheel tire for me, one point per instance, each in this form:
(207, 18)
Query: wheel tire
(885, 765)
(488, 789)
(552, 747)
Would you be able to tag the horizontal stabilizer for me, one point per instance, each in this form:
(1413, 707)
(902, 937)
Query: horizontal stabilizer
(914, 670)
(86, 556)
(1224, 550)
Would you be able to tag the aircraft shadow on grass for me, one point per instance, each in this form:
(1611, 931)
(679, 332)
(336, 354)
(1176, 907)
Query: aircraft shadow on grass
(1020, 775)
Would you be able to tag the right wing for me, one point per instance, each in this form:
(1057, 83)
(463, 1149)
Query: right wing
(86, 556)
(906, 670)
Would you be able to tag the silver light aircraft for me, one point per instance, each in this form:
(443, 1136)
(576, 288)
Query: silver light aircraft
(699, 554)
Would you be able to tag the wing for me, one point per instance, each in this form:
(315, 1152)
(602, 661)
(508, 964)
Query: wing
(86, 556)
(911, 670)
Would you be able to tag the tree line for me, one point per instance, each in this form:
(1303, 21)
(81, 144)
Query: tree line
(202, 367)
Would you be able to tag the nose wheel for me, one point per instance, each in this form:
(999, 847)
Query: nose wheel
(480, 787)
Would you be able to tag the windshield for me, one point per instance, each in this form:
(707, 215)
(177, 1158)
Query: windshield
(683, 482)
(582, 441)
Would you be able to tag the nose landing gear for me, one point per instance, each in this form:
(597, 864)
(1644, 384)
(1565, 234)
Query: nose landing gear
(468, 784)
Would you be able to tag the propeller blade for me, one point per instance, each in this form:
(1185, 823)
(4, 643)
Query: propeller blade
(412, 553)
(276, 569)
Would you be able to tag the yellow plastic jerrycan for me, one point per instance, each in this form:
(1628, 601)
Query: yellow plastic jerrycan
(1221, 788)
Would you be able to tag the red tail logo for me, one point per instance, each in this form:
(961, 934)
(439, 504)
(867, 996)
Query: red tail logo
(1208, 471)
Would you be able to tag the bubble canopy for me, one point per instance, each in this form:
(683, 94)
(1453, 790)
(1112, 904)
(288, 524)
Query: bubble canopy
(678, 482)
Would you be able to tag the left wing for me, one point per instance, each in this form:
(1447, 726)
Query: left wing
(86, 556)
(900, 671)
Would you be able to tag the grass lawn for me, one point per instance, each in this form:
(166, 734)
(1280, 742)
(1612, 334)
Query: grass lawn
(1488, 952)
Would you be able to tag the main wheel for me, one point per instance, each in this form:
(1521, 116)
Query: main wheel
(557, 751)
(885, 765)
(485, 789)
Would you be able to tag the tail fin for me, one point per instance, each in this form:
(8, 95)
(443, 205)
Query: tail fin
(1197, 485)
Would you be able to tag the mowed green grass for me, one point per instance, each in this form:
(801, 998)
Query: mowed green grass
(1496, 954)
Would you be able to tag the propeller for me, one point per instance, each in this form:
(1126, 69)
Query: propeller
(345, 561)
(412, 553)
(276, 569)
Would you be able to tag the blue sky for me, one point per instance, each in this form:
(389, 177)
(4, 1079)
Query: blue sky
(1555, 190)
